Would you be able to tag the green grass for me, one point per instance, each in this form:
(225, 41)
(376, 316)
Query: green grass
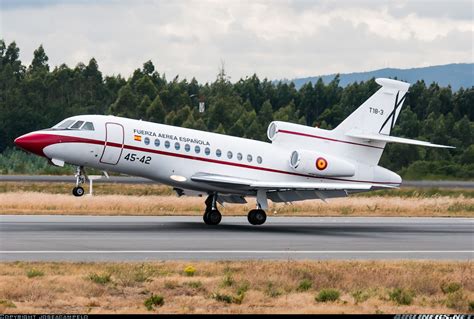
(102, 279)
(450, 287)
(154, 301)
(401, 296)
(326, 295)
(7, 303)
(34, 273)
(305, 285)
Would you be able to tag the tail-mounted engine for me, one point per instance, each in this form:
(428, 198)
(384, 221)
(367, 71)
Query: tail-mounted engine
(319, 164)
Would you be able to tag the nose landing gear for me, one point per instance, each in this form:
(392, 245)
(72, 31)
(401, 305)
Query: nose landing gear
(80, 179)
(212, 216)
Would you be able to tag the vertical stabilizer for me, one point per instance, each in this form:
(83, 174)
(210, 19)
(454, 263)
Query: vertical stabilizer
(379, 113)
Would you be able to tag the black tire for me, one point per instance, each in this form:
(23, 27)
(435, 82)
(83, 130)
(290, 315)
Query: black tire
(212, 217)
(257, 217)
(205, 217)
(78, 191)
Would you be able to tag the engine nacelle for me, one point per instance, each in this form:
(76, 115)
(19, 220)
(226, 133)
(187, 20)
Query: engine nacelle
(319, 164)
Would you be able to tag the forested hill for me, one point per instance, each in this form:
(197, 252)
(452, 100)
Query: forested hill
(38, 96)
(456, 75)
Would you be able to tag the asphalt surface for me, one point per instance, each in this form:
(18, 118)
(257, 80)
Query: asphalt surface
(97, 238)
(140, 180)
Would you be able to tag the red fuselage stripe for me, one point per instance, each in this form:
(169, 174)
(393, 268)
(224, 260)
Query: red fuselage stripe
(70, 139)
(327, 139)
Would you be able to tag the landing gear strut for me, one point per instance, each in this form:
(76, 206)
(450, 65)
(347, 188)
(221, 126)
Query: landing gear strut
(212, 216)
(80, 179)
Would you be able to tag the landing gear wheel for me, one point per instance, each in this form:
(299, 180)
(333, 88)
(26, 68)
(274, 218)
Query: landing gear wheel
(257, 217)
(78, 191)
(212, 217)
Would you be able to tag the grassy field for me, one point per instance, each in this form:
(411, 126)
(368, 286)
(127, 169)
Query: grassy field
(159, 200)
(238, 287)
(164, 205)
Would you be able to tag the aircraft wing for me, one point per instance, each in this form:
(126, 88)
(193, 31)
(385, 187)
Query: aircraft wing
(393, 139)
(249, 184)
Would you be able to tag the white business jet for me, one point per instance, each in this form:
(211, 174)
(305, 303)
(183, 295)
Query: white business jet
(300, 163)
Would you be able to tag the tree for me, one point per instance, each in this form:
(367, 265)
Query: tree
(126, 103)
(40, 61)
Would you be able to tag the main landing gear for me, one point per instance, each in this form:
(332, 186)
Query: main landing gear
(80, 179)
(212, 216)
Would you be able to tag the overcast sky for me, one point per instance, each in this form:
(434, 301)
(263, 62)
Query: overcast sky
(274, 39)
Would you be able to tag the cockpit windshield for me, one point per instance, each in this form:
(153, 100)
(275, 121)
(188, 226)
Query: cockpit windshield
(74, 125)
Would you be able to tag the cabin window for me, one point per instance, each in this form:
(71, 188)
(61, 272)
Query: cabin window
(197, 149)
(207, 150)
(187, 148)
(177, 146)
(157, 142)
(229, 155)
(259, 159)
(88, 126)
(167, 144)
(249, 158)
(77, 125)
(218, 153)
(239, 156)
(147, 140)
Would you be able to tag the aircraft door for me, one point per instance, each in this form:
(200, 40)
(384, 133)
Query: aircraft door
(114, 138)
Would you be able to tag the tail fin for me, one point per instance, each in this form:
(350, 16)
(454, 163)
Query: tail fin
(379, 113)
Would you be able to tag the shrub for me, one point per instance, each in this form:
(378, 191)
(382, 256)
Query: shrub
(222, 297)
(243, 288)
(272, 291)
(327, 295)
(227, 281)
(471, 305)
(171, 284)
(450, 287)
(153, 301)
(401, 296)
(7, 303)
(305, 285)
(190, 271)
(100, 279)
(456, 300)
(360, 296)
(34, 273)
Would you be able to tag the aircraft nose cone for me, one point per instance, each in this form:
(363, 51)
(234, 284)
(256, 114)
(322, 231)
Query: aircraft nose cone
(31, 142)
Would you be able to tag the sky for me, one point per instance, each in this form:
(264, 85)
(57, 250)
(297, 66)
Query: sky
(274, 39)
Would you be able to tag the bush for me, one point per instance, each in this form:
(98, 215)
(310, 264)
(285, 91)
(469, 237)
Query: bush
(222, 297)
(305, 285)
(272, 290)
(34, 273)
(450, 287)
(153, 301)
(327, 295)
(360, 296)
(7, 303)
(471, 305)
(456, 300)
(401, 296)
(100, 279)
(227, 281)
(190, 271)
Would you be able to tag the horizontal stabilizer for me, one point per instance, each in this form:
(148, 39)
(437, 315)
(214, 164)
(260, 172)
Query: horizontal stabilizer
(392, 139)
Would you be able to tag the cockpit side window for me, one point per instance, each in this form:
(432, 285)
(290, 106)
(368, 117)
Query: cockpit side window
(76, 125)
(63, 125)
(88, 126)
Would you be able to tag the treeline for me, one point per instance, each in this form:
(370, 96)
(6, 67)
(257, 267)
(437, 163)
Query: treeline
(36, 96)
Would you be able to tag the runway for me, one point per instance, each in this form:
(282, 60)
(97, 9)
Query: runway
(99, 238)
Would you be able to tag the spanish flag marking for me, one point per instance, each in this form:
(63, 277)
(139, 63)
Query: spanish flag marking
(137, 138)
